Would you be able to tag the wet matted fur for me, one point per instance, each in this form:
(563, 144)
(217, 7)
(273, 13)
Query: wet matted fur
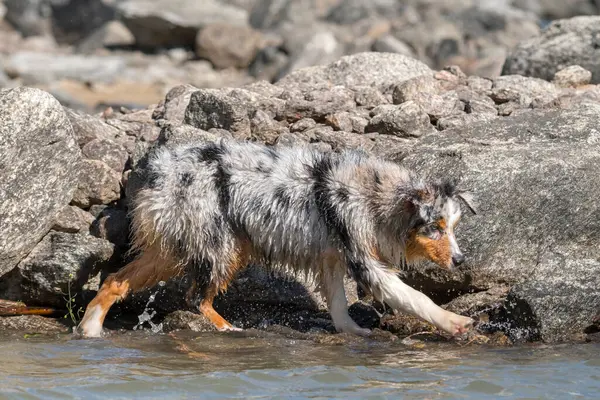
(210, 209)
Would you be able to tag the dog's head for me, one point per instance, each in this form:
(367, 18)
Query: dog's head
(436, 212)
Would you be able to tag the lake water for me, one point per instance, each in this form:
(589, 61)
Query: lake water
(245, 365)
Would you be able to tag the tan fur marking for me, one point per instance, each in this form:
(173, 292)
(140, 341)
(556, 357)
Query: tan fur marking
(421, 247)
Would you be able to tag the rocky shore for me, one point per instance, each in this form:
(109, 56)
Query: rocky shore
(521, 132)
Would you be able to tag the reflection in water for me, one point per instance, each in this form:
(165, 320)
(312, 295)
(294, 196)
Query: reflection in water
(267, 365)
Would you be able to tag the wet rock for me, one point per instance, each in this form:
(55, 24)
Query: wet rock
(31, 324)
(226, 45)
(112, 154)
(480, 303)
(404, 324)
(523, 91)
(406, 120)
(317, 104)
(378, 70)
(60, 263)
(163, 23)
(112, 224)
(572, 76)
(72, 219)
(39, 160)
(98, 184)
(532, 175)
(213, 109)
(113, 34)
(566, 42)
(187, 320)
(560, 299)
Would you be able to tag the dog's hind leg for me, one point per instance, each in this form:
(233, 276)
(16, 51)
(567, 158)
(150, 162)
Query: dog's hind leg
(212, 279)
(332, 288)
(145, 271)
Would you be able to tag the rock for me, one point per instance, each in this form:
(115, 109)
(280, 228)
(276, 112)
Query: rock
(572, 76)
(561, 298)
(265, 129)
(413, 88)
(74, 20)
(88, 128)
(378, 70)
(113, 34)
(318, 103)
(533, 176)
(39, 160)
(25, 324)
(438, 107)
(406, 120)
(112, 224)
(98, 184)
(226, 45)
(164, 23)
(463, 119)
(173, 107)
(389, 44)
(303, 125)
(523, 90)
(72, 219)
(317, 48)
(480, 304)
(369, 97)
(344, 121)
(29, 17)
(213, 109)
(46, 68)
(574, 41)
(187, 320)
(347, 12)
(60, 263)
(111, 153)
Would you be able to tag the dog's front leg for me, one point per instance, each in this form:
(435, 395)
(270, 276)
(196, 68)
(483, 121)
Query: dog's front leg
(388, 288)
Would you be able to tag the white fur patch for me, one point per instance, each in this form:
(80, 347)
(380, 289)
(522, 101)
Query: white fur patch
(92, 325)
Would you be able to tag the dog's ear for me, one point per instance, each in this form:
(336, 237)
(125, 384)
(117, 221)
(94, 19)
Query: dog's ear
(468, 199)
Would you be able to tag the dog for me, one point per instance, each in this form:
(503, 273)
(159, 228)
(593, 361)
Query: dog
(210, 209)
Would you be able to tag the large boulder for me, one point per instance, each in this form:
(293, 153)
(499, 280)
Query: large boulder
(574, 41)
(39, 164)
(378, 70)
(535, 179)
(158, 23)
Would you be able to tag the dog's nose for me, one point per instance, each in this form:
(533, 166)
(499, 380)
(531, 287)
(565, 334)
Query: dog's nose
(458, 259)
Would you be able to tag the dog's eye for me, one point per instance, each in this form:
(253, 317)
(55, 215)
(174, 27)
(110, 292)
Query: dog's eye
(431, 231)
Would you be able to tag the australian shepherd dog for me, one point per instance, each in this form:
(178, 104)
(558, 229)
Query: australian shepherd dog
(210, 209)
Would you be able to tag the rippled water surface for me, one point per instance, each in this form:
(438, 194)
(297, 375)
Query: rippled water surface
(206, 366)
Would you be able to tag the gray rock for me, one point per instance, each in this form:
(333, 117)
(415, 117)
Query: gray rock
(303, 125)
(561, 298)
(572, 76)
(36, 324)
(74, 20)
(173, 107)
(317, 47)
(348, 12)
(29, 17)
(369, 97)
(98, 184)
(210, 108)
(160, 23)
(265, 129)
(318, 103)
(59, 263)
(406, 120)
(39, 160)
(88, 128)
(574, 41)
(415, 88)
(72, 219)
(523, 90)
(390, 44)
(463, 119)
(226, 45)
(344, 121)
(111, 153)
(46, 68)
(534, 178)
(113, 34)
(187, 320)
(378, 70)
(437, 106)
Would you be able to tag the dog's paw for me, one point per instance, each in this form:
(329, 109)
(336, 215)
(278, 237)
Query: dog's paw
(459, 324)
(230, 328)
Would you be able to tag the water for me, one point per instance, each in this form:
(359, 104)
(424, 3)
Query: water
(147, 365)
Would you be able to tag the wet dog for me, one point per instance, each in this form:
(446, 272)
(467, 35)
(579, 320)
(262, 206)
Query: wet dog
(209, 210)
